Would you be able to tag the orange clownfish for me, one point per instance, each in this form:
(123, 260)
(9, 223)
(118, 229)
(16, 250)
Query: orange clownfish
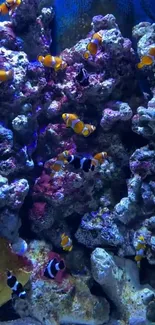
(87, 164)
(66, 243)
(6, 75)
(93, 45)
(59, 163)
(54, 62)
(9, 6)
(99, 158)
(140, 250)
(73, 121)
(147, 59)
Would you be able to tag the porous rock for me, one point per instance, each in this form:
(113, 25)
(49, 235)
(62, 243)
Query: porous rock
(119, 279)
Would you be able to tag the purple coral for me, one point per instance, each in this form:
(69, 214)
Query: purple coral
(142, 162)
(98, 229)
(143, 122)
(115, 111)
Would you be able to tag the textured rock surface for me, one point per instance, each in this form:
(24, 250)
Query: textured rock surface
(39, 21)
(145, 34)
(11, 199)
(114, 112)
(143, 122)
(24, 321)
(98, 229)
(120, 280)
(73, 307)
(68, 302)
(108, 208)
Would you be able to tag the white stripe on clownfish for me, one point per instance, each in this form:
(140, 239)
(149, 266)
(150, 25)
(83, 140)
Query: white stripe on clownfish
(49, 269)
(74, 122)
(82, 162)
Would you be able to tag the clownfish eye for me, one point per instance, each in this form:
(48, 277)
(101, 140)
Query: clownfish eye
(64, 116)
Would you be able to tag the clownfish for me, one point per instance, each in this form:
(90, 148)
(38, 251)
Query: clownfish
(140, 250)
(59, 163)
(99, 158)
(87, 164)
(9, 6)
(54, 62)
(82, 77)
(88, 129)
(93, 45)
(147, 59)
(66, 243)
(15, 286)
(73, 121)
(53, 267)
(6, 75)
(80, 163)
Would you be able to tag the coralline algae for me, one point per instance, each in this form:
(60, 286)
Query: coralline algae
(102, 211)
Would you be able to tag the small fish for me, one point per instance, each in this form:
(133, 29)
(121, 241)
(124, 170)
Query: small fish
(59, 163)
(73, 121)
(54, 62)
(9, 6)
(66, 243)
(82, 77)
(99, 158)
(93, 45)
(53, 267)
(15, 286)
(140, 250)
(80, 163)
(147, 59)
(6, 75)
(87, 164)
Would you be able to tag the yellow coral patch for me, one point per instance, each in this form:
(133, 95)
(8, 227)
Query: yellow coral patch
(12, 262)
(5, 292)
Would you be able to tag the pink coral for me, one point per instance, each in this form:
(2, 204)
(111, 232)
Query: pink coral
(64, 194)
(53, 186)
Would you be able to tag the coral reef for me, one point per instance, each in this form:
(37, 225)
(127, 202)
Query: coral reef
(143, 121)
(144, 34)
(39, 21)
(69, 301)
(11, 199)
(98, 229)
(115, 111)
(102, 212)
